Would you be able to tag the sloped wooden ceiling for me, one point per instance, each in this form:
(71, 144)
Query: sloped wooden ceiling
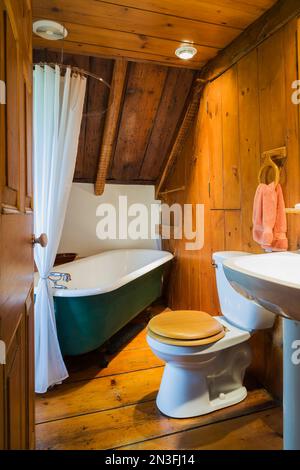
(154, 100)
(150, 29)
(157, 85)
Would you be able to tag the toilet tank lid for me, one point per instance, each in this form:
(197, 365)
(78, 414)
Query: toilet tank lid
(220, 256)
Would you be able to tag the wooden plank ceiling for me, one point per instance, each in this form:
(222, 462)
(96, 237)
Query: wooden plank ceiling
(157, 85)
(150, 29)
(154, 100)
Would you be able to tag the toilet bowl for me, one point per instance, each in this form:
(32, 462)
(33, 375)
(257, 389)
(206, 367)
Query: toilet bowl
(206, 357)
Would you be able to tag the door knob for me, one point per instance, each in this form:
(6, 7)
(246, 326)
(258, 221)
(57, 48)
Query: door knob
(41, 240)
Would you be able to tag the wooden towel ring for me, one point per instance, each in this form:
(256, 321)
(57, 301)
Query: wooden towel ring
(269, 163)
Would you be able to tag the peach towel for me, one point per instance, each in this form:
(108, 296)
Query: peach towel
(269, 218)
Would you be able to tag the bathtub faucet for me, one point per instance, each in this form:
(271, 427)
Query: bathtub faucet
(57, 277)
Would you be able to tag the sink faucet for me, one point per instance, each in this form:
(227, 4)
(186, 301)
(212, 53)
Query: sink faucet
(57, 277)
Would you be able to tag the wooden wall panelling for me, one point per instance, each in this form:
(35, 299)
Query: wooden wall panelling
(233, 232)
(192, 193)
(11, 168)
(217, 235)
(266, 119)
(224, 143)
(208, 300)
(249, 129)
(16, 392)
(142, 98)
(214, 112)
(25, 163)
(272, 93)
(176, 90)
(179, 280)
(230, 134)
(213, 236)
(28, 111)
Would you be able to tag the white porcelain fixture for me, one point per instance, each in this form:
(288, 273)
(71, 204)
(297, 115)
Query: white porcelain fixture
(50, 30)
(201, 379)
(186, 52)
(107, 271)
(273, 280)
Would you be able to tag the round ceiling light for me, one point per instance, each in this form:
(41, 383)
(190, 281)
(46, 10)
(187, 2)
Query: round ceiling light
(49, 30)
(186, 52)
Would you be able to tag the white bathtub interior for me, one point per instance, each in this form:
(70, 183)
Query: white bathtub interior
(108, 271)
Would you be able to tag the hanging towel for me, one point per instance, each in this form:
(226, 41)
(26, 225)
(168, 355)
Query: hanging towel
(280, 241)
(269, 218)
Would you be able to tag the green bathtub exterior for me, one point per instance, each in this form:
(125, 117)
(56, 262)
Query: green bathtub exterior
(85, 323)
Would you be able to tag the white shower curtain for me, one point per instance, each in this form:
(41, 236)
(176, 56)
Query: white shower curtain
(58, 107)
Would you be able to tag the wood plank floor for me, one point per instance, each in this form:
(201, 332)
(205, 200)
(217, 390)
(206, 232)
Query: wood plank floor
(113, 406)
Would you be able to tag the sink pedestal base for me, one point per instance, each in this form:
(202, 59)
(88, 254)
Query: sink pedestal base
(291, 384)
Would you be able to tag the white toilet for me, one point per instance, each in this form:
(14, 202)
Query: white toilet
(206, 357)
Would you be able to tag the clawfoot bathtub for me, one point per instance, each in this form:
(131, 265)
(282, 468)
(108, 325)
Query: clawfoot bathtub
(106, 291)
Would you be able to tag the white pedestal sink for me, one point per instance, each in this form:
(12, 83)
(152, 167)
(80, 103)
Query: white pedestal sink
(273, 281)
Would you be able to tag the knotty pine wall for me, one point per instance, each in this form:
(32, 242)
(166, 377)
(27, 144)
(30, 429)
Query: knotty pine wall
(244, 112)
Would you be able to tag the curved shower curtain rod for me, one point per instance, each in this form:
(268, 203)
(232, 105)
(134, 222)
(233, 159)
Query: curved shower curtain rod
(75, 70)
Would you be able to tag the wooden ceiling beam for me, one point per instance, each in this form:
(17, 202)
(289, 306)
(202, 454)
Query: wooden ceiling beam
(145, 23)
(279, 15)
(111, 123)
(151, 27)
(105, 52)
(188, 120)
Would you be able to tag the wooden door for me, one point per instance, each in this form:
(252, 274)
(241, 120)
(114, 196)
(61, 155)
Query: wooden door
(16, 227)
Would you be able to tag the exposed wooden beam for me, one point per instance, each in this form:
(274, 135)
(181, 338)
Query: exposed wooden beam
(279, 15)
(188, 120)
(107, 52)
(111, 123)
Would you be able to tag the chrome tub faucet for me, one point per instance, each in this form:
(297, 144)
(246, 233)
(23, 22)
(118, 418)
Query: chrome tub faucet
(57, 277)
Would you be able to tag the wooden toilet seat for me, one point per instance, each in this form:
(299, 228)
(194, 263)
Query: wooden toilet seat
(185, 328)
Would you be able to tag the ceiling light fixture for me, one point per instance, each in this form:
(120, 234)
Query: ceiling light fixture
(49, 30)
(186, 52)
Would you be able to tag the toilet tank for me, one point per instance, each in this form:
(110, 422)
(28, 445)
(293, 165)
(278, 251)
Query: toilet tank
(238, 310)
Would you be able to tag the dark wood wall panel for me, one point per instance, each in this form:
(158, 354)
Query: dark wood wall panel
(142, 98)
(94, 119)
(177, 86)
